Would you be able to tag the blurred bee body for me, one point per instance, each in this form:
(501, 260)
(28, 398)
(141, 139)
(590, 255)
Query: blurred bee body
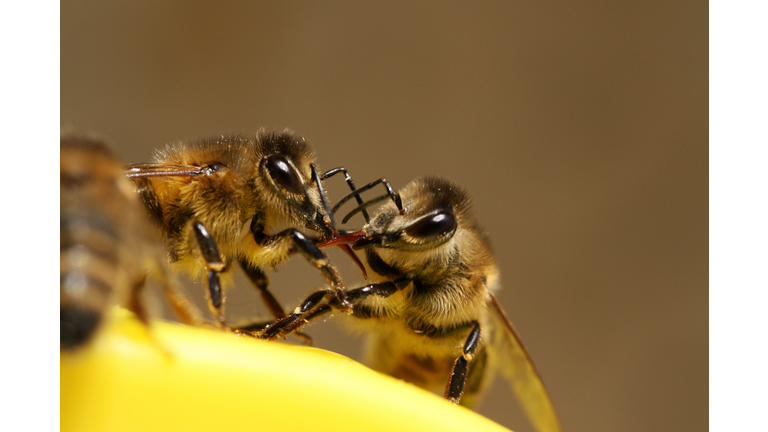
(107, 245)
(203, 194)
(430, 312)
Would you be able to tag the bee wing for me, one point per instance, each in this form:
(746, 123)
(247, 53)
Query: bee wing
(161, 170)
(516, 365)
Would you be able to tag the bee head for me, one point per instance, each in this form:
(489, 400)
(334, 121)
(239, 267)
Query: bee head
(434, 211)
(287, 168)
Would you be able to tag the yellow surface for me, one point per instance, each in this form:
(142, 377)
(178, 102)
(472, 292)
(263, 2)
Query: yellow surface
(191, 379)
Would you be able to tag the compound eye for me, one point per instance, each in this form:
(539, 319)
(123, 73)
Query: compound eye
(283, 173)
(436, 225)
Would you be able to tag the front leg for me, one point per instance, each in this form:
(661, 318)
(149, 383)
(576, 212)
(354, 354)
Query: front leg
(261, 282)
(308, 249)
(455, 386)
(215, 266)
(312, 307)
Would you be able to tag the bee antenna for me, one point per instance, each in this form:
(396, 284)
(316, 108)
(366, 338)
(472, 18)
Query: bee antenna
(348, 178)
(323, 198)
(390, 193)
(362, 207)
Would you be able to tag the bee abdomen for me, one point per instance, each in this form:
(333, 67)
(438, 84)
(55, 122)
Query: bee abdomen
(78, 324)
(88, 269)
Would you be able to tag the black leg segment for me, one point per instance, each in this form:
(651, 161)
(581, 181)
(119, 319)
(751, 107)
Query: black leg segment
(260, 281)
(215, 264)
(458, 378)
(214, 288)
(208, 247)
(312, 307)
(308, 250)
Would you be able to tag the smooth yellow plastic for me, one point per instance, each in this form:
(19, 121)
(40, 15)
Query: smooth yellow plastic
(180, 378)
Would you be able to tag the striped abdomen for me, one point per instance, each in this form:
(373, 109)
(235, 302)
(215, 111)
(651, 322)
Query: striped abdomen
(98, 265)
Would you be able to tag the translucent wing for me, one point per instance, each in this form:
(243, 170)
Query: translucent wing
(161, 170)
(516, 365)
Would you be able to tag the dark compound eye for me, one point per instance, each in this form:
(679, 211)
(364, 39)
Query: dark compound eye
(283, 173)
(432, 226)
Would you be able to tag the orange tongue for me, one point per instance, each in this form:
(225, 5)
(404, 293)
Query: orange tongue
(344, 239)
(348, 249)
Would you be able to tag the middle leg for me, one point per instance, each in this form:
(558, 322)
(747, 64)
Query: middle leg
(455, 387)
(308, 249)
(313, 307)
(261, 282)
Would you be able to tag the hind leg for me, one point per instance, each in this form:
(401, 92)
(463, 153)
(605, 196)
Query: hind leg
(261, 282)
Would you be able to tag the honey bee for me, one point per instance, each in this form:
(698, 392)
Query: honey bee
(203, 194)
(107, 243)
(430, 313)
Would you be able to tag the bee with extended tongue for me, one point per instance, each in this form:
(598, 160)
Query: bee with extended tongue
(433, 277)
(202, 195)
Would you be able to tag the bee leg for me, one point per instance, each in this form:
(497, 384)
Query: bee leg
(261, 282)
(216, 265)
(255, 327)
(382, 290)
(184, 311)
(309, 309)
(455, 386)
(182, 308)
(293, 321)
(216, 298)
(136, 305)
(308, 250)
(475, 378)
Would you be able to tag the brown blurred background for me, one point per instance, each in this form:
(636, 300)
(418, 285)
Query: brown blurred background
(579, 128)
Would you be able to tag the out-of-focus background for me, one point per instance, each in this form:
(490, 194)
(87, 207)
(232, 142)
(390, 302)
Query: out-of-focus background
(579, 128)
